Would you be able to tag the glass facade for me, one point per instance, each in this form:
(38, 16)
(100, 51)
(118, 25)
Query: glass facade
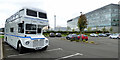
(105, 16)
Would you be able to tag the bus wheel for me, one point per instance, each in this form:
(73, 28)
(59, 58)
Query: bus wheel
(6, 39)
(43, 49)
(20, 48)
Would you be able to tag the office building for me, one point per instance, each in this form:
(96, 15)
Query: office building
(106, 16)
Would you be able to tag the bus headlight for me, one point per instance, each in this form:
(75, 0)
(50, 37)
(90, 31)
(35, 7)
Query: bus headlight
(27, 42)
(46, 41)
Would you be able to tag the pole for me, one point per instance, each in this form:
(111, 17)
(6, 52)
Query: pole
(54, 22)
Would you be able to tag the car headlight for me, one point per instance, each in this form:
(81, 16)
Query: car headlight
(46, 41)
(27, 42)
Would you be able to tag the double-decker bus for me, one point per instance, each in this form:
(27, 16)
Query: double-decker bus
(24, 29)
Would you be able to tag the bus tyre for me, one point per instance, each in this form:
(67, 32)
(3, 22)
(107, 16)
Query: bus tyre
(45, 48)
(6, 39)
(20, 48)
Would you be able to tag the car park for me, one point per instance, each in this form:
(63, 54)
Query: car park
(108, 34)
(119, 36)
(58, 35)
(93, 35)
(71, 37)
(114, 36)
(102, 35)
(1, 33)
(84, 37)
(51, 35)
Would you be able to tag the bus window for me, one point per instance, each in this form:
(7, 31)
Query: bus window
(31, 13)
(30, 29)
(42, 15)
(11, 29)
(21, 28)
(39, 29)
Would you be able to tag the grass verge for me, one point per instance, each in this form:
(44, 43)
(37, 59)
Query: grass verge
(1, 36)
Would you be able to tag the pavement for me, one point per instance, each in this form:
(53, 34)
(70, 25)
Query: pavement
(1, 49)
(63, 49)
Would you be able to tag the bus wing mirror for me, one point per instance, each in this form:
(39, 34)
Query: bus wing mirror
(45, 28)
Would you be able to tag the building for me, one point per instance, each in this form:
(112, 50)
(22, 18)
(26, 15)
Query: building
(60, 29)
(106, 16)
(119, 16)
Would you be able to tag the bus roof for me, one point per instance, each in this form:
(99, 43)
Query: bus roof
(35, 9)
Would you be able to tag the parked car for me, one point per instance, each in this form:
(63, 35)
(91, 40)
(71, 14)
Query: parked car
(108, 34)
(51, 35)
(58, 35)
(114, 36)
(83, 37)
(71, 37)
(102, 35)
(119, 36)
(93, 35)
(1, 33)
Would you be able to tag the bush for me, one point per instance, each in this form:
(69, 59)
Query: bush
(84, 40)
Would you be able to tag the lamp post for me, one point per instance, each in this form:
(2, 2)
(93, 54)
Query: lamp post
(81, 13)
(54, 22)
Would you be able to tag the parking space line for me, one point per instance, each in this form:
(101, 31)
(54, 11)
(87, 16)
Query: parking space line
(17, 55)
(69, 56)
(5, 45)
(55, 49)
(29, 53)
(12, 55)
(9, 49)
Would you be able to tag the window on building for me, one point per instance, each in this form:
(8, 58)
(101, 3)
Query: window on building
(42, 15)
(31, 13)
(11, 29)
(21, 28)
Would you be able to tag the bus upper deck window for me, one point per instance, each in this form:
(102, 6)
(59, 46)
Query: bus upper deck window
(21, 28)
(31, 13)
(42, 15)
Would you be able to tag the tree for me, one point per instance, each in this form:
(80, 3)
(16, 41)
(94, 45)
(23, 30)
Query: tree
(68, 28)
(73, 30)
(82, 23)
(89, 28)
(111, 29)
(103, 29)
(96, 28)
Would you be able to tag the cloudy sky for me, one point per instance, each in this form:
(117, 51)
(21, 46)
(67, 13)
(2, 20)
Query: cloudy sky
(63, 9)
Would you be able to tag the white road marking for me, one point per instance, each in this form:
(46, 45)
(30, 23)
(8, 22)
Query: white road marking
(17, 55)
(69, 56)
(9, 49)
(55, 49)
(29, 53)
(24, 54)
(5, 45)
(12, 55)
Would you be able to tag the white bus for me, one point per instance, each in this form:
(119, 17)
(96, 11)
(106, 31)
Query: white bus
(24, 29)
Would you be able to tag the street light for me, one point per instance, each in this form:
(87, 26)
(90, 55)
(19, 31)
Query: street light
(81, 13)
(54, 22)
